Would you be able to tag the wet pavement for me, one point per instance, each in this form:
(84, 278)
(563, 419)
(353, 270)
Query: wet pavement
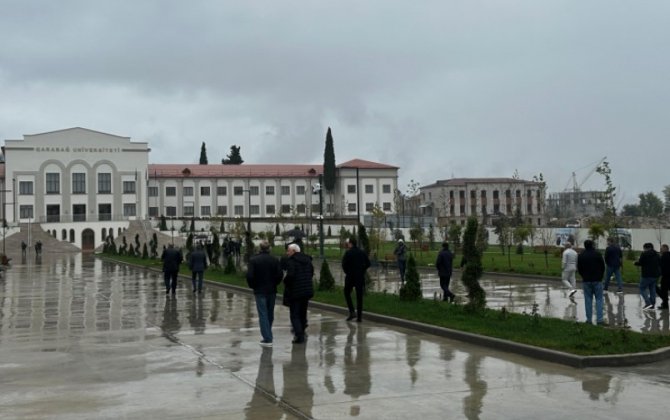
(81, 338)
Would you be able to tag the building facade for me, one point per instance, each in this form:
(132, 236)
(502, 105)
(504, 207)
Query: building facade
(94, 181)
(459, 198)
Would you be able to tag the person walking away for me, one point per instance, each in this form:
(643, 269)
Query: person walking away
(23, 248)
(650, 269)
(591, 268)
(444, 265)
(355, 263)
(197, 262)
(665, 276)
(263, 276)
(172, 258)
(569, 267)
(400, 253)
(299, 289)
(614, 262)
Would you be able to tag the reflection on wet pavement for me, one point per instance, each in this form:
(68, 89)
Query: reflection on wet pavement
(81, 338)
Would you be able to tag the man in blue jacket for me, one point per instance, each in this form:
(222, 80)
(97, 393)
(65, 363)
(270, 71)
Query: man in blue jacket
(171, 259)
(197, 262)
(613, 261)
(650, 269)
(263, 275)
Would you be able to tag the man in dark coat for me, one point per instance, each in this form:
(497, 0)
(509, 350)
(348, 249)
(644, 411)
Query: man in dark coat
(171, 259)
(197, 262)
(299, 288)
(665, 276)
(650, 269)
(354, 264)
(400, 253)
(444, 265)
(263, 275)
(591, 267)
(613, 261)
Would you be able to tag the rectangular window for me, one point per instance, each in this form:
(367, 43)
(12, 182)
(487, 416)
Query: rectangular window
(330, 207)
(495, 194)
(285, 190)
(170, 211)
(473, 193)
(153, 191)
(315, 208)
(461, 210)
(222, 210)
(351, 189)
(301, 208)
(238, 190)
(461, 194)
(386, 206)
(254, 190)
(483, 194)
(129, 187)
(255, 209)
(386, 188)
(205, 211)
(351, 207)
(369, 189)
(188, 191)
(129, 209)
(369, 206)
(270, 209)
(78, 183)
(484, 209)
(153, 211)
(508, 193)
(451, 209)
(221, 190)
(529, 208)
(204, 191)
(26, 212)
(170, 191)
(300, 190)
(451, 194)
(286, 208)
(104, 212)
(188, 211)
(269, 190)
(25, 187)
(104, 183)
(238, 210)
(53, 183)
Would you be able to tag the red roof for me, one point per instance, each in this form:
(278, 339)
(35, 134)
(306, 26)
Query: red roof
(176, 170)
(365, 164)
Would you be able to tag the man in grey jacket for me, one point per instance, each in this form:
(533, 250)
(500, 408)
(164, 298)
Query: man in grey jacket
(569, 267)
(197, 262)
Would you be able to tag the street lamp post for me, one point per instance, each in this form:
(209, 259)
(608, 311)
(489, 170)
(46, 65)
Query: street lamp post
(319, 189)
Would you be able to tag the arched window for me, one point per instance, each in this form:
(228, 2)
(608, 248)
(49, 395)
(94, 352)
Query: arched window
(72, 235)
(104, 234)
(63, 235)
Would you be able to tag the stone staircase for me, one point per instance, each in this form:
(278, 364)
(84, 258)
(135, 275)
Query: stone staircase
(30, 234)
(146, 231)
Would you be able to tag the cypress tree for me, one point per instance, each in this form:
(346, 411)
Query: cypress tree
(473, 268)
(329, 163)
(163, 225)
(234, 157)
(145, 252)
(203, 154)
(411, 290)
(363, 240)
(326, 280)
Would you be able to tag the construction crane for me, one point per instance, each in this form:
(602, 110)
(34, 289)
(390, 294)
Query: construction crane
(576, 186)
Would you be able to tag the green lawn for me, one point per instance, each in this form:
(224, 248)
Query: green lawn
(551, 333)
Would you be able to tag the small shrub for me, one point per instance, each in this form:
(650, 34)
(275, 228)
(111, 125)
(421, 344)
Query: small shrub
(326, 280)
(230, 266)
(411, 290)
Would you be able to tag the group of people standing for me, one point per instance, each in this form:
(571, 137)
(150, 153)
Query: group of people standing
(172, 259)
(592, 267)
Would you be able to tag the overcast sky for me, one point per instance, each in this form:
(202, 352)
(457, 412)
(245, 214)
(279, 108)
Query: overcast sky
(439, 88)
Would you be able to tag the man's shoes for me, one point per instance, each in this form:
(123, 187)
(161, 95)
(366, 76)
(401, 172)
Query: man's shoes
(167, 292)
(604, 289)
(194, 290)
(620, 291)
(572, 292)
(266, 343)
(351, 316)
(298, 340)
(451, 298)
(649, 307)
(359, 319)
(603, 324)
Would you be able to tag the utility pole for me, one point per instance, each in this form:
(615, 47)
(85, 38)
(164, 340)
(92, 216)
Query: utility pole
(319, 188)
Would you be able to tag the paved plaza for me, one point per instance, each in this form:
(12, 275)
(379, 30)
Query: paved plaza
(82, 338)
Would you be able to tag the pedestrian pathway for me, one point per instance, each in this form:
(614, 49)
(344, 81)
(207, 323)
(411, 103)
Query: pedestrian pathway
(83, 338)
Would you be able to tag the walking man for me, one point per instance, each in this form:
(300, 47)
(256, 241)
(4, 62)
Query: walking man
(400, 253)
(650, 267)
(298, 288)
(354, 264)
(614, 262)
(23, 248)
(171, 259)
(591, 268)
(569, 267)
(444, 265)
(197, 262)
(665, 276)
(263, 276)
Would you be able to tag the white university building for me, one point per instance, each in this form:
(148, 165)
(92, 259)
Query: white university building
(84, 183)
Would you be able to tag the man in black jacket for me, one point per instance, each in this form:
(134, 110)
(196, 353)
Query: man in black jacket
(613, 261)
(665, 276)
(299, 289)
(171, 259)
(444, 265)
(650, 269)
(591, 268)
(263, 275)
(354, 264)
